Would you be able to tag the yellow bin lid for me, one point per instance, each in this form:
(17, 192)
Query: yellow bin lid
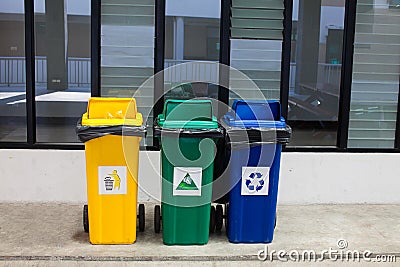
(112, 111)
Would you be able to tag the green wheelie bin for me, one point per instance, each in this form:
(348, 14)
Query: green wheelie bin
(187, 131)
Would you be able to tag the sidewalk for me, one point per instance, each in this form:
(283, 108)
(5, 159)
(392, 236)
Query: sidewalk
(52, 235)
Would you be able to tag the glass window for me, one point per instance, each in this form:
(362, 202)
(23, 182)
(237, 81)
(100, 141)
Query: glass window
(127, 51)
(315, 72)
(192, 34)
(62, 64)
(12, 72)
(376, 75)
(260, 60)
(256, 48)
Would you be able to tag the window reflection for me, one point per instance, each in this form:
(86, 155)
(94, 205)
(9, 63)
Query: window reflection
(62, 65)
(315, 71)
(12, 71)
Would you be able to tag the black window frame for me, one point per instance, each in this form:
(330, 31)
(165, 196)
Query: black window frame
(223, 94)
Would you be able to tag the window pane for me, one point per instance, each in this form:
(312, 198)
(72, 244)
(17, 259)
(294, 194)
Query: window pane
(256, 48)
(376, 73)
(127, 51)
(62, 63)
(315, 71)
(260, 60)
(192, 35)
(12, 71)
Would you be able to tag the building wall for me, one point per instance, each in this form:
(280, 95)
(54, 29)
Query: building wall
(14, 44)
(79, 35)
(306, 178)
(195, 42)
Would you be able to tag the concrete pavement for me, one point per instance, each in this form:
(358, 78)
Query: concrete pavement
(52, 235)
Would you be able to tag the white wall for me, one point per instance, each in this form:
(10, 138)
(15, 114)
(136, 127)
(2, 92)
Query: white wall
(340, 178)
(306, 178)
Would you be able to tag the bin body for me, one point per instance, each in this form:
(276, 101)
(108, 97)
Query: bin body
(186, 219)
(252, 218)
(111, 180)
(186, 213)
(254, 173)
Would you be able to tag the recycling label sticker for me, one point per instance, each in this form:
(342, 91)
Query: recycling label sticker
(255, 181)
(187, 181)
(112, 180)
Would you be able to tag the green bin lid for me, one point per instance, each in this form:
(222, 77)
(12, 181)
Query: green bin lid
(195, 114)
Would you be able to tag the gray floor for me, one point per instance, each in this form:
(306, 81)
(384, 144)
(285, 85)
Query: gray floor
(52, 235)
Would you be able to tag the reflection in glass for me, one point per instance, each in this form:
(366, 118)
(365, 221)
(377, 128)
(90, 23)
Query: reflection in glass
(256, 48)
(376, 75)
(12, 72)
(191, 36)
(62, 64)
(315, 72)
(127, 52)
(192, 44)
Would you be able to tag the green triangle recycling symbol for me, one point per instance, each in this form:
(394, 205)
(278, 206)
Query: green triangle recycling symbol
(187, 183)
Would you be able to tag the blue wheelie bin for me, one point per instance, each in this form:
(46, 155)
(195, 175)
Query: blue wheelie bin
(255, 134)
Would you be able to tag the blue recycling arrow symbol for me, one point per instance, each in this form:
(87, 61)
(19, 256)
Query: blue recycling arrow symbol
(255, 182)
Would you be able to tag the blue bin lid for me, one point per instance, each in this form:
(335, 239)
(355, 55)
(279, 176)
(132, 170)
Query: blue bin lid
(255, 114)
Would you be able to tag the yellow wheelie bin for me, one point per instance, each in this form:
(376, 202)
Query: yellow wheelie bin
(111, 130)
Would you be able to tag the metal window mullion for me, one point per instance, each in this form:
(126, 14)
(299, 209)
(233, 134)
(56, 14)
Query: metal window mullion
(95, 47)
(286, 52)
(347, 73)
(397, 135)
(224, 57)
(159, 62)
(30, 72)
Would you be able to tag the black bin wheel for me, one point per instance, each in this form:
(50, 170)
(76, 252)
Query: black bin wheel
(212, 219)
(141, 217)
(275, 221)
(226, 217)
(157, 218)
(85, 219)
(219, 218)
